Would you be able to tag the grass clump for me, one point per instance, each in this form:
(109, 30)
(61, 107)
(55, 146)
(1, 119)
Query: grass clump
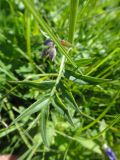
(67, 108)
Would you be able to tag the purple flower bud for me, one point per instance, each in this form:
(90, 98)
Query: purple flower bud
(109, 152)
(48, 42)
(49, 52)
(52, 53)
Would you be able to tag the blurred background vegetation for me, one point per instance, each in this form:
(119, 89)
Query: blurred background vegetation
(70, 107)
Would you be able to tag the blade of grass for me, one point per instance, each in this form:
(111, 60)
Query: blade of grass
(28, 33)
(42, 85)
(103, 61)
(62, 106)
(89, 79)
(100, 116)
(33, 123)
(35, 107)
(73, 16)
(116, 120)
(33, 150)
(10, 129)
(43, 125)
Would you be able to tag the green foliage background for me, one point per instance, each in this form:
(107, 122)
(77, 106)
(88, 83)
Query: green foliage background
(66, 109)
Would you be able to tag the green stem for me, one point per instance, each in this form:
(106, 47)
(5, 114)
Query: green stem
(28, 41)
(59, 75)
